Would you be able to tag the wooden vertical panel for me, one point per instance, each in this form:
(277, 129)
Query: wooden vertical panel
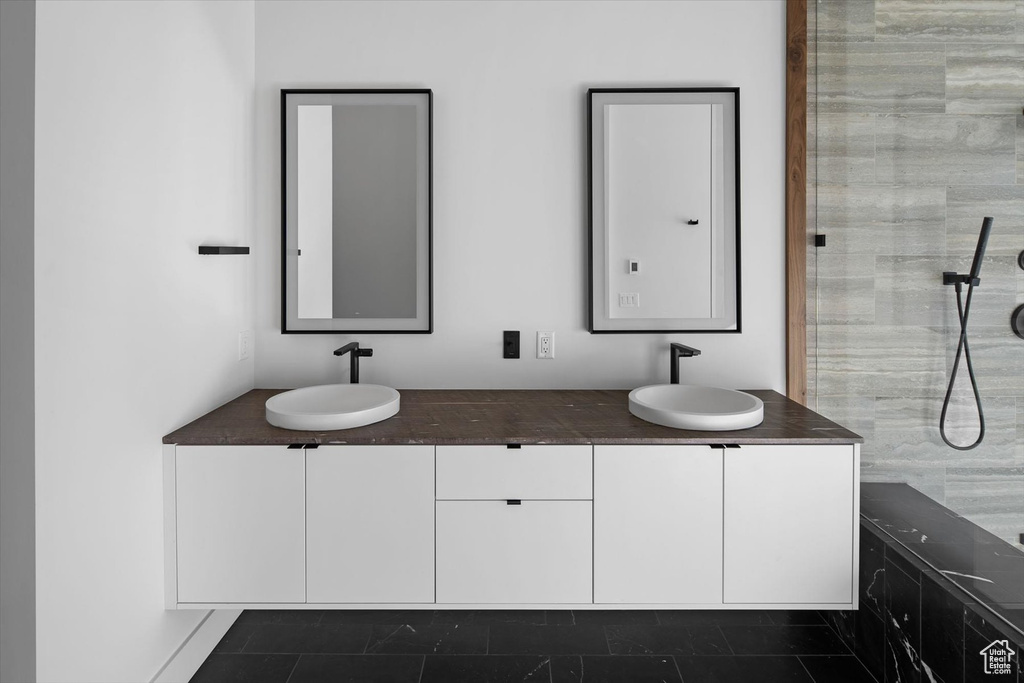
(796, 200)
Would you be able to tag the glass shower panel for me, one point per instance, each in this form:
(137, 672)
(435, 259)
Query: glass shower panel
(915, 133)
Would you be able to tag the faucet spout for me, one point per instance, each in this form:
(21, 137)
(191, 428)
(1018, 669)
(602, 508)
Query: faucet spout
(678, 350)
(357, 353)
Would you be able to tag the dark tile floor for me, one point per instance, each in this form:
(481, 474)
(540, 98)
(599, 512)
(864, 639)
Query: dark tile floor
(550, 647)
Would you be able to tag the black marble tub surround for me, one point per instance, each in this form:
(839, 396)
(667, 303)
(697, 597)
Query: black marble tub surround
(476, 416)
(914, 624)
(980, 563)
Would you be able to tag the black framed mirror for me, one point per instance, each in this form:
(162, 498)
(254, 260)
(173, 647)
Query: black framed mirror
(664, 210)
(356, 211)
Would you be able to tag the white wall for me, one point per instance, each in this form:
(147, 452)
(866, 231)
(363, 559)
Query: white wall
(17, 407)
(144, 150)
(509, 82)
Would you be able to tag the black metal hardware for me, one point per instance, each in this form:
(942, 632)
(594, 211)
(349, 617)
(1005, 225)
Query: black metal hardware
(1017, 321)
(208, 251)
(692, 222)
(312, 446)
(819, 240)
(1020, 260)
(677, 350)
(296, 446)
(357, 353)
(963, 308)
(513, 446)
(510, 344)
(513, 501)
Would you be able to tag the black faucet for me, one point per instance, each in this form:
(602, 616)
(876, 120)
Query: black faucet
(677, 351)
(357, 353)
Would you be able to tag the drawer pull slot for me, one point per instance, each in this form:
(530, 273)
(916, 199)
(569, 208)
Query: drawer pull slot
(513, 501)
(513, 446)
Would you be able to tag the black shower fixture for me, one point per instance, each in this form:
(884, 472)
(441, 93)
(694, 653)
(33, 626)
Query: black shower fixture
(963, 308)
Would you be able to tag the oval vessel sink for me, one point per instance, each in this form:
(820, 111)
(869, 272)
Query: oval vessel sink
(689, 407)
(332, 406)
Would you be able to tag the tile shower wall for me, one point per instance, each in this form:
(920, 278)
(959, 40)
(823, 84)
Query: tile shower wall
(916, 132)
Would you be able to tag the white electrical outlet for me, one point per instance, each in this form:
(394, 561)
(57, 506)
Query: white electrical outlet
(629, 299)
(244, 345)
(545, 345)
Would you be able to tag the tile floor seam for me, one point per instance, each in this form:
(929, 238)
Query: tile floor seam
(294, 667)
(369, 636)
(727, 643)
(675, 662)
(809, 674)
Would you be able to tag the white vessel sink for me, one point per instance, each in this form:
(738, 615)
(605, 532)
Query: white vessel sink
(702, 408)
(332, 406)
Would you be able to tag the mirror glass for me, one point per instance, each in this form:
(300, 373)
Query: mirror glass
(356, 210)
(664, 210)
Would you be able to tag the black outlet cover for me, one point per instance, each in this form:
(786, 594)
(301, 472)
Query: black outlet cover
(510, 345)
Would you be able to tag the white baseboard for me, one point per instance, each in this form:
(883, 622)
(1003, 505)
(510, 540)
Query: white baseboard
(187, 659)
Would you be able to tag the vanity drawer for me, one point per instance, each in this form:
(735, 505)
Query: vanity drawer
(526, 473)
(490, 552)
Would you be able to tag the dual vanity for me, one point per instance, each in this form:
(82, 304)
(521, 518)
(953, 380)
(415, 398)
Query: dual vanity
(497, 499)
(666, 497)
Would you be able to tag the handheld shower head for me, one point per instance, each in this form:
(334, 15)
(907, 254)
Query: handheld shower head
(963, 311)
(979, 251)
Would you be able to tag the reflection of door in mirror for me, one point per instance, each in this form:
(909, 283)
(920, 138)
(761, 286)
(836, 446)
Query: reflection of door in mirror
(357, 211)
(660, 210)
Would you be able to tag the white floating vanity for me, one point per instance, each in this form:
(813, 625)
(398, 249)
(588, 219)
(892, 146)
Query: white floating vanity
(616, 512)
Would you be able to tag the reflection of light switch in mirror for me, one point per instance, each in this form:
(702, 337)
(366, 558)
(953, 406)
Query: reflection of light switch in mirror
(663, 183)
(629, 299)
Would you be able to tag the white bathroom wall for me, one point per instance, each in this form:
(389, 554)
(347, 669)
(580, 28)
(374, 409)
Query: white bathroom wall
(144, 151)
(509, 82)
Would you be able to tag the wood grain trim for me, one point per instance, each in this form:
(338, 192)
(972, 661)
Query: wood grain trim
(796, 200)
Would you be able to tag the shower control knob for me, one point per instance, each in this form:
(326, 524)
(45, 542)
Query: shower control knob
(1017, 321)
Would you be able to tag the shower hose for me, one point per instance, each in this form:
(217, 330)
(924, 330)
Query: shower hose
(963, 310)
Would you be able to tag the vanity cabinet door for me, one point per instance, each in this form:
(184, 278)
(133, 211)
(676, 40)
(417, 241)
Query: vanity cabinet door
(491, 552)
(657, 524)
(370, 524)
(790, 524)
(240, 524)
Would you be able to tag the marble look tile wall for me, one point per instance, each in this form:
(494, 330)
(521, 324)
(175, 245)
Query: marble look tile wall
(916, 132)
(913, 625)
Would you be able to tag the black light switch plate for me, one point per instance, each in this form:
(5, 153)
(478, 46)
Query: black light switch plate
(511, 344)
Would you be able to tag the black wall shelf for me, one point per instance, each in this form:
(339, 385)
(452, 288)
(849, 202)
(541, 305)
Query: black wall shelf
(206, 251)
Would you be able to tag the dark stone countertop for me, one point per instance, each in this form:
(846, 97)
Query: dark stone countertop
(498, 416)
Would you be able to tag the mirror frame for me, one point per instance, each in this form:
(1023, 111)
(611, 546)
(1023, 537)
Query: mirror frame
(423, 323)
(598, 322)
